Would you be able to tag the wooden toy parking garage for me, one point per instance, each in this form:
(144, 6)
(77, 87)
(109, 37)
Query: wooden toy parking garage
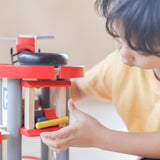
(34, 70)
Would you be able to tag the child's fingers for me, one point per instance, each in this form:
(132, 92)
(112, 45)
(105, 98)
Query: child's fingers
(47, 141)
(58, 145)
(74, 111)
(62, 133)
(50, 135)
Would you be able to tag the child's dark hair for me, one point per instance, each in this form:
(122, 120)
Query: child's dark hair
(140, 20)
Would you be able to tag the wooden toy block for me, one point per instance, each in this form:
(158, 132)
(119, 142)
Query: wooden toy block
(39, 72)
(52, 122)
(49, 113)
(4, 135)
(70, 72)
(61, 102)
(36, 132)
(38, 84)
(28, 72)
(36, 103)
(41, 119)
(29, 109)
(38, 113)
(25, 43)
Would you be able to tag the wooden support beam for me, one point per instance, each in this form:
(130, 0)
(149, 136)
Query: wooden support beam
(61, 103)
(29, 121)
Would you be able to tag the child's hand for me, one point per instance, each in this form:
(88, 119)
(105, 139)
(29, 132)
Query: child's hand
(84, 132)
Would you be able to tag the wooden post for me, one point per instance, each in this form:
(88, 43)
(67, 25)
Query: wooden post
(61, 103)
(29, 121)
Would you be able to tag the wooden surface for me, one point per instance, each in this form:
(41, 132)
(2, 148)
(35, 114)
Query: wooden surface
(5, 135)
(29, 120)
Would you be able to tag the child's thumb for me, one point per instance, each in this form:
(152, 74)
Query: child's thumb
(73, 110)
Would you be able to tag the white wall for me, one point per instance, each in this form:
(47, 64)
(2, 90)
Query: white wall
(79, 31)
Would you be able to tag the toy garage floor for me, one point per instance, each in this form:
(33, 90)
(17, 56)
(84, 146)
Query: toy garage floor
(106, 114)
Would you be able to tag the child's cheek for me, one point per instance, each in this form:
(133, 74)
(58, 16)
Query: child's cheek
(118, 45)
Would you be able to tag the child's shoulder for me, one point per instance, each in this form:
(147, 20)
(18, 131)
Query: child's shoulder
(113, 57)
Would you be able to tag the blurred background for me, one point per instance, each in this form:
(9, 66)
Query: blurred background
(78, 30)
(81, 34)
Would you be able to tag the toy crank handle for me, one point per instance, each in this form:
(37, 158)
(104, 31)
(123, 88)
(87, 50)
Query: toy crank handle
(44, 36)
(41, 36)
(5, 39)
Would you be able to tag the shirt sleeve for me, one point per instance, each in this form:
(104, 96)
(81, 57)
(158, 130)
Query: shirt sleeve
(98, 80)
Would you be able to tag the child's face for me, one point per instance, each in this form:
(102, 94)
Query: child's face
(135, 58)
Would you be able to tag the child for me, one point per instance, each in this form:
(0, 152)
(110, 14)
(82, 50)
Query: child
(129, 77)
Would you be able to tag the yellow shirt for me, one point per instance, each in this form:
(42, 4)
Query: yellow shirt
(135, 92)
